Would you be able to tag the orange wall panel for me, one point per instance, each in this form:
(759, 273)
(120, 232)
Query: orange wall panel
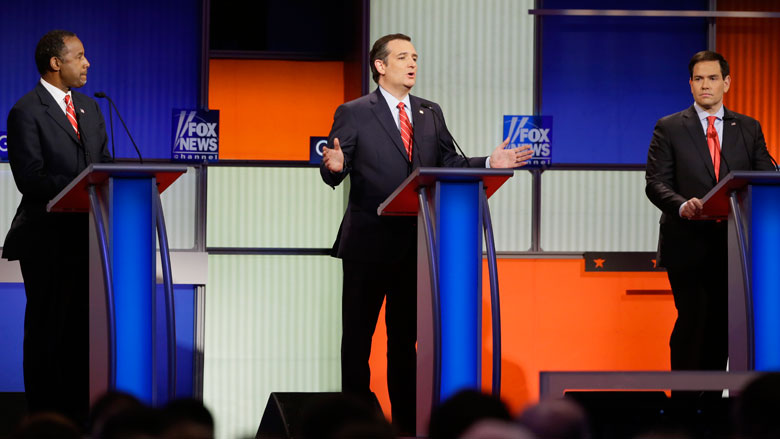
(269, 108)
(750, 46)
(555, 316)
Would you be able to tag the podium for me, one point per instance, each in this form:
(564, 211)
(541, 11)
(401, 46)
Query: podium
(452, 212)
(750, 200)
(125, 209)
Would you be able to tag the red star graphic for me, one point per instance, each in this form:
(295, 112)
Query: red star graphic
(599, 262)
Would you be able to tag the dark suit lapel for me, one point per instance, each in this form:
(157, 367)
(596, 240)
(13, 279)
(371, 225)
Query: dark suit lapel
(55, 111)
(694, 127)
(730, 140)
(418, 120)
(382, 112)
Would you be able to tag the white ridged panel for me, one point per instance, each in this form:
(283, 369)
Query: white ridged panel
(510, 211)
(475, 59)
(180, 210)
(597, 211)
(271, 207)
(273, 324)
(9, 200)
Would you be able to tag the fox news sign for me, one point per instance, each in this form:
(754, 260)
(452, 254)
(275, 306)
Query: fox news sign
(3, 147)
(534, 131)
(195, 135)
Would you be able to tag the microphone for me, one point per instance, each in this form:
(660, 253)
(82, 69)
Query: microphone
(747, 151)
(111, 103)
(435, 126)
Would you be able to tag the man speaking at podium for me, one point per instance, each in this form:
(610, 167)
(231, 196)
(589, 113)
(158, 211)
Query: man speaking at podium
(378, 140)
(689, 153)
(53, 133)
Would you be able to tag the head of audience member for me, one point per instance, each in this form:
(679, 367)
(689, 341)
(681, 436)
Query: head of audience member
(186, 418)
(46, 425)
(337, 416)
(453, 417)
(60, 59)
(107, 406)
(496, 429)
(709, 79)
(560, 418)
(756, 413)
(134, 423)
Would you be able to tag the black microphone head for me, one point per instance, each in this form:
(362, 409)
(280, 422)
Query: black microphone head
(99, 94)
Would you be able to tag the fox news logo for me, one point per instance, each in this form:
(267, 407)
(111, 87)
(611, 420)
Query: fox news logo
(535, 131)
(3, 147)
(195, 135)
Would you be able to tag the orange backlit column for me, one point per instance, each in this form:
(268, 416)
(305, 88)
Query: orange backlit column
(555, 316)
(269, 109)
(750, 46)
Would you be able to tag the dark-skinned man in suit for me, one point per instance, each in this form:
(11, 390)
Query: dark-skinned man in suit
(53, 133)
(378, 140)
(689, 152)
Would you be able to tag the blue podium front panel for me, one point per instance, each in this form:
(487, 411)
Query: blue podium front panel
(765, 260)
(133, 266)
(460, 267)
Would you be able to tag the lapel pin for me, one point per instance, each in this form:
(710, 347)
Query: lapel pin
(421, 112)
(733, 123)
(82, 110)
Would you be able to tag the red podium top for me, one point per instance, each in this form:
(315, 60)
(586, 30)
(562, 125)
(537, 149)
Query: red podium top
(75, 198)
(403, 201)
(716, 202)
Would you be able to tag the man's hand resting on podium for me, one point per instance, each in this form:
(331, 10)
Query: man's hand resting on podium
(333, 158)
(510, 158)
(691, 208)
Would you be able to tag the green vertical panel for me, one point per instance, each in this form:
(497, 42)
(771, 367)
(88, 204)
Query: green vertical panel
(273, 324)
(9, 200)
(475, 59)
(510, 211)
(597, 211)
(179, 206)
(271, 207)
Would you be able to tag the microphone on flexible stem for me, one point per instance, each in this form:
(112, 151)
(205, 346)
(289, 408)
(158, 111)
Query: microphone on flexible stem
(435, 126)
(101, 94)
(747, 150)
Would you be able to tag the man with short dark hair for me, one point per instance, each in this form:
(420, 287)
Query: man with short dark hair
(378, 140)
(53, 133)
(690, 151)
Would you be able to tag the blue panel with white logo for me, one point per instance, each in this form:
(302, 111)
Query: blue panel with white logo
(316, 143)
(534, 131)
(3, 146)
(195, 136)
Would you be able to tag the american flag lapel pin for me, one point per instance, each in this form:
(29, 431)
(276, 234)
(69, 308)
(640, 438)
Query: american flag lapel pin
(733, 123)
(82, 110)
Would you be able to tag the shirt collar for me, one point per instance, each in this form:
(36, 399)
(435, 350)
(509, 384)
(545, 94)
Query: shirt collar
(703, 114)
(56, 93)
(392, 101)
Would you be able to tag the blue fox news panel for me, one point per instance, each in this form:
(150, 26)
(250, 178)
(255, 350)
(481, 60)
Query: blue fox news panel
(765, 256)
(145, 54)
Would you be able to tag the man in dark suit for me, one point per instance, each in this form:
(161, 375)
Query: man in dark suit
(53, 133)
(690, 151)
(378, 140)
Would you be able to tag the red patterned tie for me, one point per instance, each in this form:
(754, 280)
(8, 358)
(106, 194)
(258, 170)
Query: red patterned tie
(714, 144)
(72, 115)
(406, 129)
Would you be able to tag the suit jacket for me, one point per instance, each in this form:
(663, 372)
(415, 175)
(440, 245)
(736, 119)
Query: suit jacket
(679, 167)
(45, 155)
(376, 161)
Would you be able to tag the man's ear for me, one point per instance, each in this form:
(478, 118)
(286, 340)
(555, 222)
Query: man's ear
(54, 64)
(380, 66)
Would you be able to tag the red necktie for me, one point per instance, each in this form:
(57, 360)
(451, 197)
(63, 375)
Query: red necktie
(71, 112)
(714, 144)
(406, 129)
